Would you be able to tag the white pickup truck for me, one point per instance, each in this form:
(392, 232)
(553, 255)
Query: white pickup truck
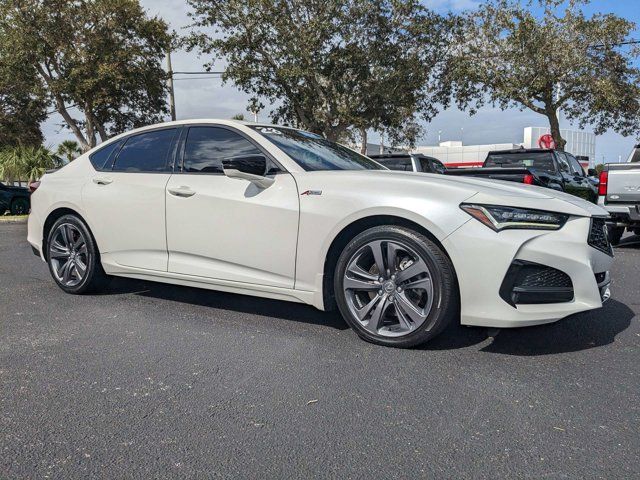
(619, 194)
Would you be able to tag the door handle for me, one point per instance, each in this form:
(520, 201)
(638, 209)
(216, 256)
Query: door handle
(102, 181)
(181, 192)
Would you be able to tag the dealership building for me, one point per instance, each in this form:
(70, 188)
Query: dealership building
(455, 154)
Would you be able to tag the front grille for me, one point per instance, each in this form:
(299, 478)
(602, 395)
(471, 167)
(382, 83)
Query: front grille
(598, 237)
(532, 283)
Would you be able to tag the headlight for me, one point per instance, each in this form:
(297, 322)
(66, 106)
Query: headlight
(501, 218)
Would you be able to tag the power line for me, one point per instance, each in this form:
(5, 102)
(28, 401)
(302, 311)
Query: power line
(197, 73)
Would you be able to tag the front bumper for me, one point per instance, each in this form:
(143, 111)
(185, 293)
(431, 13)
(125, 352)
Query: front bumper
(483, 257)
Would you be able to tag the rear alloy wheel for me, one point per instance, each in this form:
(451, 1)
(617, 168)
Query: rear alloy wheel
(395, 287)
(73, 257)
(20, 206)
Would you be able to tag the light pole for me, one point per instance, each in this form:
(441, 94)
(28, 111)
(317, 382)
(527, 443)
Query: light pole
(172, 96)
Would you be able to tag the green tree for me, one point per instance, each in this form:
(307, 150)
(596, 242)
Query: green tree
(22, 101)
(101, 57)
(69, 150)
(26, 163)
(330, 66)
(238, 116)
(558, 60)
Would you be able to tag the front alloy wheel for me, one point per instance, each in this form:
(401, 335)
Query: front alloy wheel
(395, 286)
(388, 288)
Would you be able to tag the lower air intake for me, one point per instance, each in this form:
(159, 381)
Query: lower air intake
(532, 283)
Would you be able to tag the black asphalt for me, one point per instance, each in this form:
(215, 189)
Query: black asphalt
(154, 381)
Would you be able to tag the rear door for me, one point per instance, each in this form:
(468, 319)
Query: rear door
(125, 199)
(227, 228)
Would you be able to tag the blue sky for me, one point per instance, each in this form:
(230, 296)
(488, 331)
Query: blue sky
(208, 98)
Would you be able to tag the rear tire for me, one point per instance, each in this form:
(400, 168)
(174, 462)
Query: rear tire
(615, 234)
(395, 287)
(73, 257)
(20, 206)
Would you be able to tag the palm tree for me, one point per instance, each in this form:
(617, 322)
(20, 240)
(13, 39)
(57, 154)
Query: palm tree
(26, 163)
(69, 150)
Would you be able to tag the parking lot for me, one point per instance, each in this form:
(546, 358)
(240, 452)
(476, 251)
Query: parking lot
(150, 380)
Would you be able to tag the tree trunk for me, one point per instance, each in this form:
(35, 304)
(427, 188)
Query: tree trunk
(363, 135)
(554, 123)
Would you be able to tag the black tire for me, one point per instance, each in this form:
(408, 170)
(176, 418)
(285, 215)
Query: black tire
(20, 206)
(2, 211)
(615, 234)
(95, 278)
(445, 303)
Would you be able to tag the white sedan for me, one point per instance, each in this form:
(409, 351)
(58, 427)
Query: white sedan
(285, 214)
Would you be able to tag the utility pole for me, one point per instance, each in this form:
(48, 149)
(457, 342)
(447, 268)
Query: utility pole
(172, 96)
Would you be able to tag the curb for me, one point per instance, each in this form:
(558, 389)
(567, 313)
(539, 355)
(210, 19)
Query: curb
(13, 220)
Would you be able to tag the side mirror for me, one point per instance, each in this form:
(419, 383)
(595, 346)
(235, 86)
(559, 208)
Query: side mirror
(592, 172)
(248, 167)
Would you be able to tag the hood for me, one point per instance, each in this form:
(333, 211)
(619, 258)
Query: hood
(468, 189)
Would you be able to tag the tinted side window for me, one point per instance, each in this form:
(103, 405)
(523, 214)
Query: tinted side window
(575, 165)
(402, 163)
(207, 146)
(563, 163)
(100, 158)
(438, 167)
(146, 152)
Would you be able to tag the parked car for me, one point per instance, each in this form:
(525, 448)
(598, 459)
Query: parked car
(619, 194)
(410, 162)
(14, 199)
(543, 167)
(286, 214)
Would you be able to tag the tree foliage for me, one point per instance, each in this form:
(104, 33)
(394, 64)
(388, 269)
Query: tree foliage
(328, 66)
(559, 60)
(69, 150)
(26, 162)
(22, 102)
(102, 57)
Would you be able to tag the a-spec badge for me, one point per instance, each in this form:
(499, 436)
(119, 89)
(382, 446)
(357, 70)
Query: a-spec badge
(312, 192)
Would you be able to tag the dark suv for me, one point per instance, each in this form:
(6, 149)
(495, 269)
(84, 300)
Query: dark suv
(14, 199)
(410, 162)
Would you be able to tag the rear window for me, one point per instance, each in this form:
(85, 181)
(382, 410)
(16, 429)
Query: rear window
(537, 160)
(145, 152)
(100, 158)
(397, 163)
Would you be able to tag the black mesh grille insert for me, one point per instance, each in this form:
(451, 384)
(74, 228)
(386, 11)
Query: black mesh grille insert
(598, 238)
(532, 283)
(541, 276)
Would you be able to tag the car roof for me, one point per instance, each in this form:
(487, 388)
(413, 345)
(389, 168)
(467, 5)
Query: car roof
(522, 150)
(399, 155)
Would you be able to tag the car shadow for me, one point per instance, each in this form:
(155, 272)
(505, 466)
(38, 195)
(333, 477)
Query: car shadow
(630, 241)
(226, 301)
(577, 332)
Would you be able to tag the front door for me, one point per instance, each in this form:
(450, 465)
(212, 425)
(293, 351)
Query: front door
(225, 228)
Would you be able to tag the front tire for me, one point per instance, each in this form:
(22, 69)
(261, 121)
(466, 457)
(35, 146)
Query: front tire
(395, 287)
(615, 234)
(73, 257)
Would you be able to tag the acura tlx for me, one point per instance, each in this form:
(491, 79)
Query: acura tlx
(286, 214)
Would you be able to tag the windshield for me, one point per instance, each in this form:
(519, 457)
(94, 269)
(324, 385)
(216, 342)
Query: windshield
(539, 160)
(313, 152)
